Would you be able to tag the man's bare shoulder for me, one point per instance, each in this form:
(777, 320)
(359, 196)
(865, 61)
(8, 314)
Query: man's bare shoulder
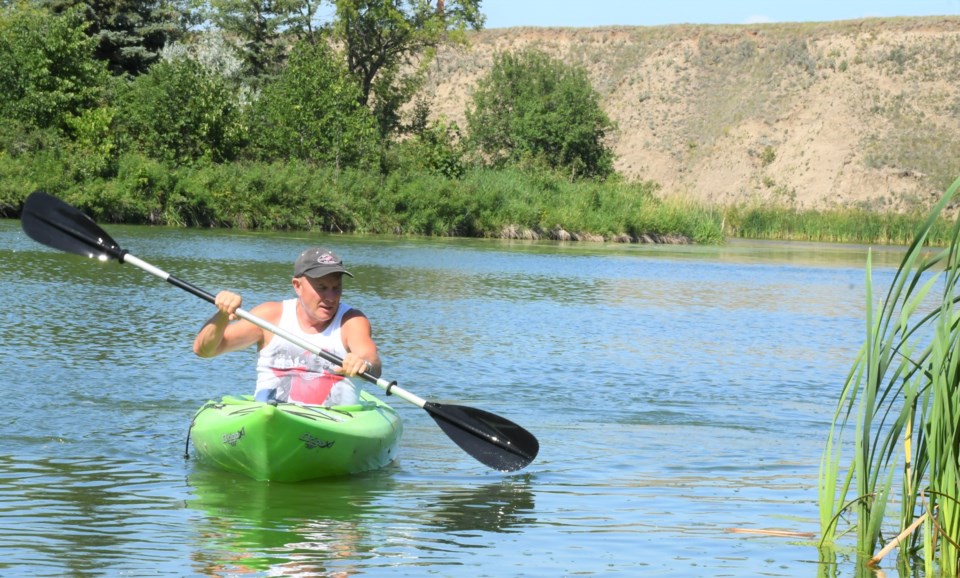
(269, 311)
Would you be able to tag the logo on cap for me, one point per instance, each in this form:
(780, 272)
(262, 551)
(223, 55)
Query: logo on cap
(318, 262)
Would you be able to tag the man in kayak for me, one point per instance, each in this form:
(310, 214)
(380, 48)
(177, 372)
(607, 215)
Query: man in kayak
(287, 372)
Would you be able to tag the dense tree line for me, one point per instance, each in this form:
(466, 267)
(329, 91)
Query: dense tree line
(139, 108)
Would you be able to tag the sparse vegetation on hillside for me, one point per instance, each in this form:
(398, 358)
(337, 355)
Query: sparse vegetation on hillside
(861, 114)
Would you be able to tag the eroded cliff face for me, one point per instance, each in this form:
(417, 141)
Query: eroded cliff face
(815, 115)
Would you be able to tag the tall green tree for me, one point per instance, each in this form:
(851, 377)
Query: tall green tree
(389, 43)
(304, 21)
(131, 33)
(48, 73)
(312, 112)
(533, 108)
(386, 44)
(260, 30)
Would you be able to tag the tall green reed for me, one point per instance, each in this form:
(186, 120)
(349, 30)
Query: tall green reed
(903, 391)
(841, 225)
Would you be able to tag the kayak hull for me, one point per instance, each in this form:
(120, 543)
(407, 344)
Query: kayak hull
(291, 442)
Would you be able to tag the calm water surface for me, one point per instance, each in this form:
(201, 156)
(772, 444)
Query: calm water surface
(681, 395)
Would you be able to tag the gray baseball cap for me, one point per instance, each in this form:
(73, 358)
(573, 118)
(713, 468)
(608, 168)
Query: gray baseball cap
(318, 262)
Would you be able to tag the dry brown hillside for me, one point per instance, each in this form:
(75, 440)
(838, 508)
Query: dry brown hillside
(863, 112)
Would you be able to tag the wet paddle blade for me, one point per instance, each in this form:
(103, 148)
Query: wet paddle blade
(494, 441)
(52, 222)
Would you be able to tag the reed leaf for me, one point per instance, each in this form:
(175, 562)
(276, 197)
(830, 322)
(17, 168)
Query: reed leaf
(903, 390)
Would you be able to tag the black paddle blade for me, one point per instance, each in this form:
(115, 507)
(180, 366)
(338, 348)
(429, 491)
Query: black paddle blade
(494, 441)
(54, 223)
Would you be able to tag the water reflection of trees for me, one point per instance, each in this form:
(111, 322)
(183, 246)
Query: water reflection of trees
(82, 516)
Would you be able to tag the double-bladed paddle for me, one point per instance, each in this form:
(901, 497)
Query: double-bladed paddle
(493, 440)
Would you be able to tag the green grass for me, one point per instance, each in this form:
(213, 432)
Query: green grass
(836, 226)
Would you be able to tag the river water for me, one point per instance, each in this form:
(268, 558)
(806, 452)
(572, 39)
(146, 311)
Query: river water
(681, 396)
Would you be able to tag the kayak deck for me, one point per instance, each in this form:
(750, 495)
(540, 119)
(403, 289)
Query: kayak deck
(291, 442)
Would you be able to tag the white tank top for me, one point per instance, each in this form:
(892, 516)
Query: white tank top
(287, 372)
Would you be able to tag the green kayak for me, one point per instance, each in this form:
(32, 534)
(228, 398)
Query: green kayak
(290, 442)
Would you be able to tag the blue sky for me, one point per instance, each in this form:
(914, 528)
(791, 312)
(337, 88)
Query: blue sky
(586, 13)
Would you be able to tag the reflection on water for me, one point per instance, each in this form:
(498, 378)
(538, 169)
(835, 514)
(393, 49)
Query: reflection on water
(336, 527)
(505, 506)
(298, 529)
(81, 516)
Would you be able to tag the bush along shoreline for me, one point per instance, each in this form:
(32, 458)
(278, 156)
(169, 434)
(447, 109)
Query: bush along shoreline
(486, 203)
(505, 203)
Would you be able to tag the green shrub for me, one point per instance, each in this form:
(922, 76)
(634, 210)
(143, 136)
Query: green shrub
(181, 113)
(312, 113)
(48, 72)
(533, 109)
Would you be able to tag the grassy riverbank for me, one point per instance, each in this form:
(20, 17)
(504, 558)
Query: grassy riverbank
(483, 203)
(836, 226)
(298, 196)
